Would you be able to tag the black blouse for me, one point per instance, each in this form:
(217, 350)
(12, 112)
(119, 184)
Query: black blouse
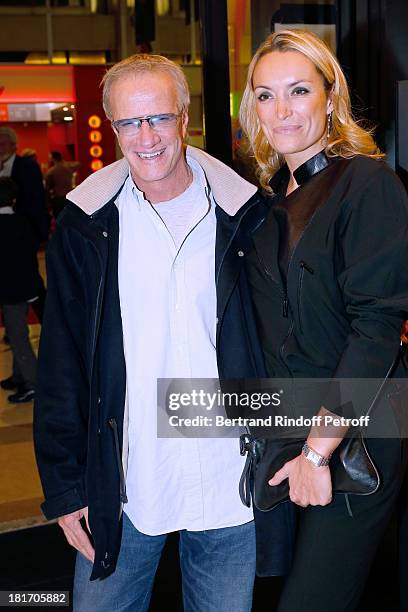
(328, 273)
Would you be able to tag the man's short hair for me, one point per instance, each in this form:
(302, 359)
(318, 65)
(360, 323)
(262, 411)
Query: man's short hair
(56, 156)
(28, 152)
(8, 191)
(8, 131)
(138, 64)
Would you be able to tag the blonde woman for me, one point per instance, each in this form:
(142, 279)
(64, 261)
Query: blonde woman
(328, 279)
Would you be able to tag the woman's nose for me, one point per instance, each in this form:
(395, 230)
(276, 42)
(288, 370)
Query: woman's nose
(283, 109)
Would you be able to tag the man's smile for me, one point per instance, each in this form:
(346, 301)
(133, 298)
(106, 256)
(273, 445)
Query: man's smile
(149, 155)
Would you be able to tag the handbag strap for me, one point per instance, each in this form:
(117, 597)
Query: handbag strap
(390, 370)
(246, 445)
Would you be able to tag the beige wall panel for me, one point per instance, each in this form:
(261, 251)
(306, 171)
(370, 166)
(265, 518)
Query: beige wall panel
(70, 33)
(23, 33)
(84, 33)
(173, 36)
(194, 78)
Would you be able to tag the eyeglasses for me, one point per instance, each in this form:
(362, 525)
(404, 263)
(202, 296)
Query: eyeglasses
(158, 123)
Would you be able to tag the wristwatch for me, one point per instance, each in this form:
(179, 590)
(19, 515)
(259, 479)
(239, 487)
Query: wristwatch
(315, 458)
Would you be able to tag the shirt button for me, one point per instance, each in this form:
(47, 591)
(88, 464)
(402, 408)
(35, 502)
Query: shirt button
(240, 253)
(105, 234)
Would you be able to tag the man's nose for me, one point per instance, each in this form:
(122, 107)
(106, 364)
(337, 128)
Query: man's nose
(283, 108)
(147, 136)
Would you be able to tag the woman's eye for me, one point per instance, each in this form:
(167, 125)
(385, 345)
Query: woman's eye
(264, 96)
(300, 91)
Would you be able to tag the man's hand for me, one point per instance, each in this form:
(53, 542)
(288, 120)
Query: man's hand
(308, 485)
(75, 534)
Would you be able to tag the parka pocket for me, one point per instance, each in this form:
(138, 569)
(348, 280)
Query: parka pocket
(303, 266)
(113, 425)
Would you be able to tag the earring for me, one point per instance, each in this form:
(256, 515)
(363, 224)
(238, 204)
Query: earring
(329, 124)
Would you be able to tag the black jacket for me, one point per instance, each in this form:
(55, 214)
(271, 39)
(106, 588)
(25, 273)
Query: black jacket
(338, 313)
(18, 270)
(31, 201)
(80, 391)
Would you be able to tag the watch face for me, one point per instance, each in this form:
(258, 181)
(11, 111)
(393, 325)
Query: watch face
(315, 458)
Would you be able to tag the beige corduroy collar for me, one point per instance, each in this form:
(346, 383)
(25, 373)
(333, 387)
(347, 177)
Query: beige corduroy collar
(230, 190)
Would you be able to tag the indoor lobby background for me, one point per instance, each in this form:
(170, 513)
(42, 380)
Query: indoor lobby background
(53, 54)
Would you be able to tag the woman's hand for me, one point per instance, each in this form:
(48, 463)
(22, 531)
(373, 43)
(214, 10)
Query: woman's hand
(308, 485)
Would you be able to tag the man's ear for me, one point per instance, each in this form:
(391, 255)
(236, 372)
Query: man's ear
(184, 123)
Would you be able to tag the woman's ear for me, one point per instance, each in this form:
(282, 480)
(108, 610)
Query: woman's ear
(330, 106)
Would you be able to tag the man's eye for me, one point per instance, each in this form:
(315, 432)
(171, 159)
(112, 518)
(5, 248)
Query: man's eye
(300, 91)
(161, 119)
(130, 123)
(264, 96)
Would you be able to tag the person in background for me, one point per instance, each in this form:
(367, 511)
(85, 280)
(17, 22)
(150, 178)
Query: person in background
(31, 200)
(30, 153)
(59, 181)
(328, 279)
(18, 287)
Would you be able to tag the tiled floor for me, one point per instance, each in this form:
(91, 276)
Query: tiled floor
(20, 489)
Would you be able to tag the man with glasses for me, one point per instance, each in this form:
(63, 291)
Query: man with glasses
(132, 298)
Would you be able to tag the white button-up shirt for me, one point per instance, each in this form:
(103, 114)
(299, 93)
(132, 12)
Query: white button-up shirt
(168, 307)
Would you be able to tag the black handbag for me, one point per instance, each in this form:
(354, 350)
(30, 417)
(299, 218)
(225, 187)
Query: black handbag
(352, 469)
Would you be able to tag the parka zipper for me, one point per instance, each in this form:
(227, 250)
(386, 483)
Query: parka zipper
(122, 487)
(285, 304)
(97, 319)
(303, 267)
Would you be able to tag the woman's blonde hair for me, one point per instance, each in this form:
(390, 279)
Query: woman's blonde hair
(346, 138)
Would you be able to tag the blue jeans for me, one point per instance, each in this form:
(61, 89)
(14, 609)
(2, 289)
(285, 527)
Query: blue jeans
(217, 567)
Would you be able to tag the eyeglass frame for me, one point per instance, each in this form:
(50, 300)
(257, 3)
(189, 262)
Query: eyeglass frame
(116, 124)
